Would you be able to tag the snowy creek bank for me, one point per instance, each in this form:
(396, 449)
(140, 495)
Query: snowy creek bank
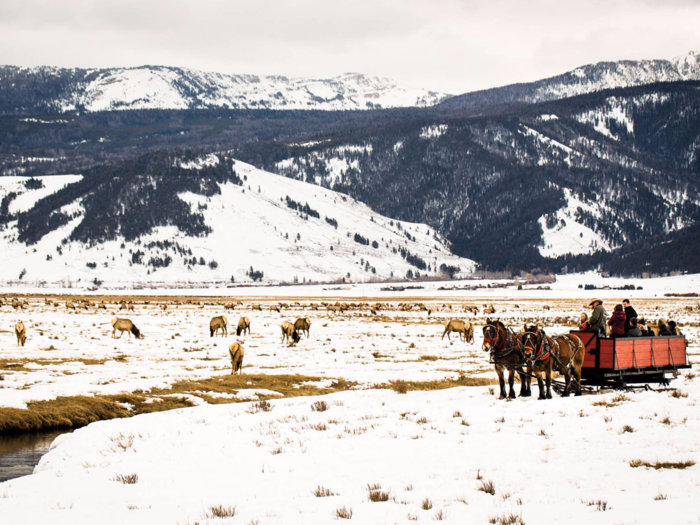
(378, 456)
(19, 454)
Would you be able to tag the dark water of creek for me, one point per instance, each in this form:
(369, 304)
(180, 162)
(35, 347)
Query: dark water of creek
(20, 454)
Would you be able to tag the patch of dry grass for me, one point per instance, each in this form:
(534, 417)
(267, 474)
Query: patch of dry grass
(658, 465)
(402, 387)
(78, 411)
(343, 513)
(507, 519)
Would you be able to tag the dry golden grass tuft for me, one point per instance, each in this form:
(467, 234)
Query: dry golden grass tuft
(323, 492)
(221, 511)
(507, 519)
(426, 504)
(600, 505)
(343, 513)
(319, 406)
(376, 494)
(127, 479)
(678, 394)
(614, 401)
(488, 487)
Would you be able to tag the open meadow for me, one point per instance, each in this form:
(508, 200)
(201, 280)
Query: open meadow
(404, 425)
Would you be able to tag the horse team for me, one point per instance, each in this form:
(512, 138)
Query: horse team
(533, 353)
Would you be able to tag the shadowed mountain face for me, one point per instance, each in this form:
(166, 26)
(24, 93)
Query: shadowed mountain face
(529, 185)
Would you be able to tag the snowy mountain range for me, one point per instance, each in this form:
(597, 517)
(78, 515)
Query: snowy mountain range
(57, 90)
(586, 79)
(255, 226)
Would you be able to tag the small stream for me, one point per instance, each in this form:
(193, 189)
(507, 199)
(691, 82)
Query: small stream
(20, 454)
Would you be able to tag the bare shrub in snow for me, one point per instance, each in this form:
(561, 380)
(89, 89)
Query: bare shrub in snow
(319, 406)
(127, 479)
(488, 487)
(221, 511)
(343, 513)
(322, 492)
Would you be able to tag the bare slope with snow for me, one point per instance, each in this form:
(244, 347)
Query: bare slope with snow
(253, 227)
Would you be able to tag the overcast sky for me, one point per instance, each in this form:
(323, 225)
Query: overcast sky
(451, 46)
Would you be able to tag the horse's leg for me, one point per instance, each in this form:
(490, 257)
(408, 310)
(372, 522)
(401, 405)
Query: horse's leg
(548, 378)
(567, 382)
(523, 385)
(577, 376)
(501, 381)
(511, 381)
(540, 384)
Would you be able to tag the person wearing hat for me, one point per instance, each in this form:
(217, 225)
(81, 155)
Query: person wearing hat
(596, 323)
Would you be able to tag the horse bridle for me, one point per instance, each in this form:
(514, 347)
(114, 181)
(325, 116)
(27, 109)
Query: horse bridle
(526, 337)
(492, 340)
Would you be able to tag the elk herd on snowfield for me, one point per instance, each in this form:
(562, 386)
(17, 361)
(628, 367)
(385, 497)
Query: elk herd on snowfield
(531, 353)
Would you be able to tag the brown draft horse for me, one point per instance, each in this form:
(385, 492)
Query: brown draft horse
(506, 353)
(563, 353)
(539, 351)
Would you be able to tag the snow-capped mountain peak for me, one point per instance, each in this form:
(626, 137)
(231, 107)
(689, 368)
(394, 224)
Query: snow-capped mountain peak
(161, 87)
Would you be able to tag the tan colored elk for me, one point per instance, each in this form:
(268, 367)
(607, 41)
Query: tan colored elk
(243, 326)
(21, 333)
(303, 325)
(125, 325)
(464, 328)
(218, 323)
(236, 352)
(289, 331)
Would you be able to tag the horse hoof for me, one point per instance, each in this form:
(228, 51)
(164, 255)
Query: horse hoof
(578, 394)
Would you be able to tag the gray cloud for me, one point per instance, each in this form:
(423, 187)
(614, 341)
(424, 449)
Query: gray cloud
(449, 45)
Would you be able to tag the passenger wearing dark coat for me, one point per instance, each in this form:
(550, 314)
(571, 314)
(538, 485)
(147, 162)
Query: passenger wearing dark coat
(663, 328)
(634, 330)
(597, 321)
(617, 322)
(630, 313)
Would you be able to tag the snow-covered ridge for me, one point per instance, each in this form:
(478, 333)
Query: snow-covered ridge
(288, 230)
(588, 79)
(155, 87)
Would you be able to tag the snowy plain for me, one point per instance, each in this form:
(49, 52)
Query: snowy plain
(550, 461)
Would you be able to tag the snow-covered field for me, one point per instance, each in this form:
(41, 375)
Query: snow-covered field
(432, 453)
(558, 460)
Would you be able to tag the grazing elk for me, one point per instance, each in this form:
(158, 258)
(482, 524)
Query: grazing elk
(302, 325)
(243, 326)
(465, 329)
(289, 331)
(218, 323)
(236, 352)
(489, 309)
(125, 325)
(21, 333)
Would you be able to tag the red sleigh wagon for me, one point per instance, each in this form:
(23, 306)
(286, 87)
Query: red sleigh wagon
(616, 362)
